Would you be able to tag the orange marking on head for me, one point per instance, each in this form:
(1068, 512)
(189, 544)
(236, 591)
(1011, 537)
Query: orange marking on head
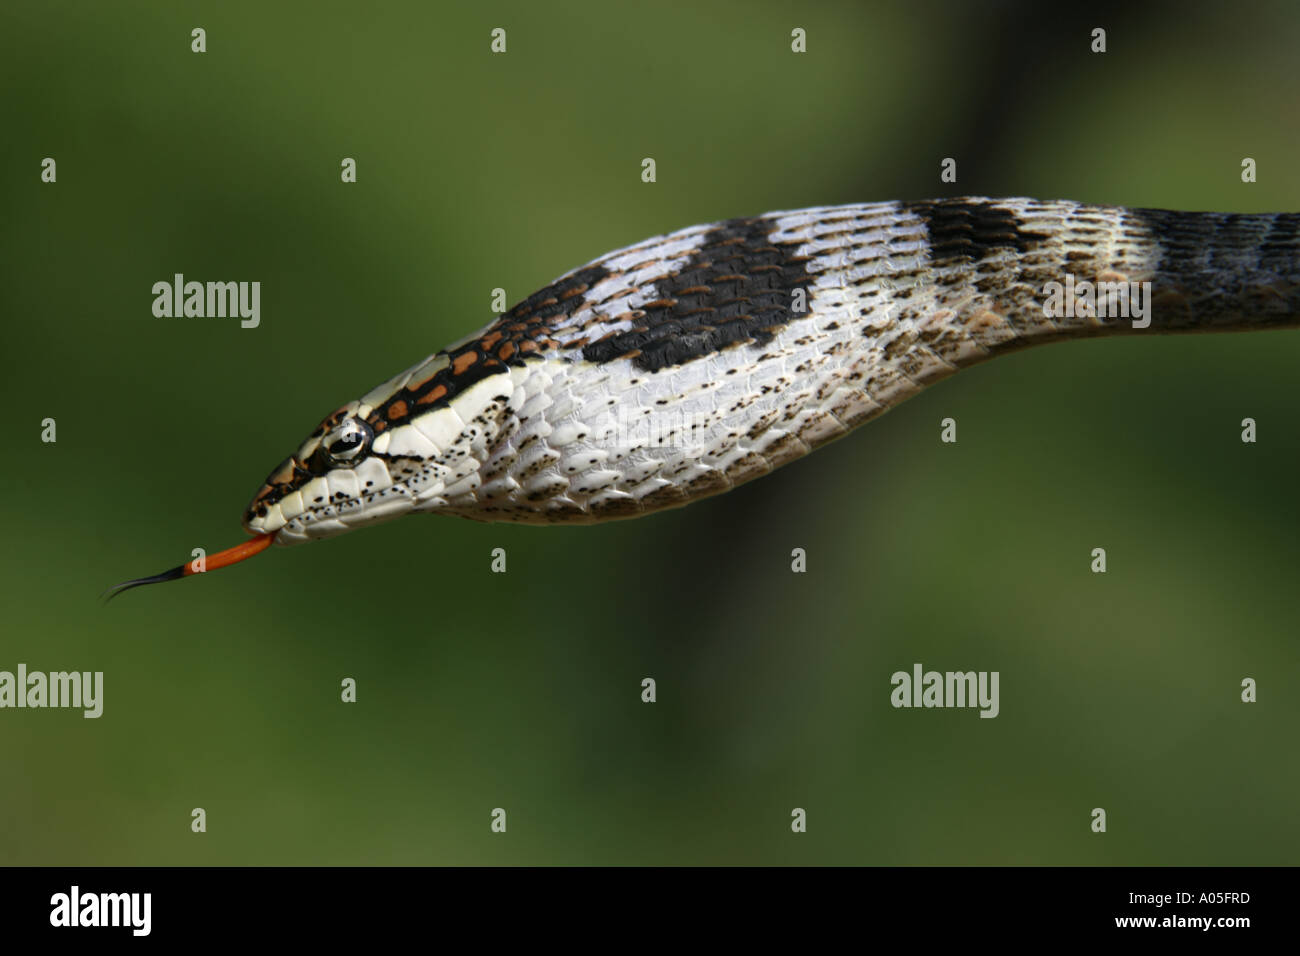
(283, 474)
(397, 410)
(432, 395)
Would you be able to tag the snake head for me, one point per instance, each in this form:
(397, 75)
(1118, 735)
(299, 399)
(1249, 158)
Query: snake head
(413, 443)
(322, 476)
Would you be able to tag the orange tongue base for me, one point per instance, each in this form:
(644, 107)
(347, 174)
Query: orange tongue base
(222, 559)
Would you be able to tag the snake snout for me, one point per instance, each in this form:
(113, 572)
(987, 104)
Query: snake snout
(263, 514)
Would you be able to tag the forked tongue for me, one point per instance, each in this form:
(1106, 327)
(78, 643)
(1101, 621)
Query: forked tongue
(219, 560)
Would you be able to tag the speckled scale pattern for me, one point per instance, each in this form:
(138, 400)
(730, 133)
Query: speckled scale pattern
(685, 365)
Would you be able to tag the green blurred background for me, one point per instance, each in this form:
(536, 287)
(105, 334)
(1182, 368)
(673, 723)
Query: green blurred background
(522, 690)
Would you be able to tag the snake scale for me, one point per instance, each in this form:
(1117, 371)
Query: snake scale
(690, 363)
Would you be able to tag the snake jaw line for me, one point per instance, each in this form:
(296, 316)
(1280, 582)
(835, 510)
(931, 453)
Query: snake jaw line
(221, 559)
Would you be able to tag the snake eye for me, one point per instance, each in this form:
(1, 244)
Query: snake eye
(345, 444)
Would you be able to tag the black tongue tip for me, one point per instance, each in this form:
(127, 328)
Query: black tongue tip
(172, 575)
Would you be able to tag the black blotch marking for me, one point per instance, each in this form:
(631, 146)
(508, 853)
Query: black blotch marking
(1185, 239)
(562, 297)
(1280, 250)
(737, 288)
(966, 230)
(1192, 241)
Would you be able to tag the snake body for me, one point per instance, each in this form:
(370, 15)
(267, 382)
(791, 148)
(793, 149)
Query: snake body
(690, 363)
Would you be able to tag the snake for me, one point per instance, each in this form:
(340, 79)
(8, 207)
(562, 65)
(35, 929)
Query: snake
(683, 366)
